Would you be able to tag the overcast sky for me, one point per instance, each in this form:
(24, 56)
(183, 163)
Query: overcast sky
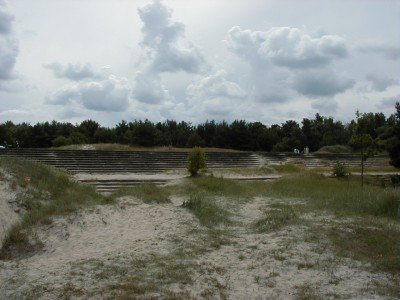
(192, 60)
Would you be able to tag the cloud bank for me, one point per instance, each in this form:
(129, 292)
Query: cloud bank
(75, 72)
(286, 47)
(111, 94)
(8, 45)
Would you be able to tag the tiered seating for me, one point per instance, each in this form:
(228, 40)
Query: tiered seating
(317, 160)
(90, 161)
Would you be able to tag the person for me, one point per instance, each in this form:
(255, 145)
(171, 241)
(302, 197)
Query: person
(306, 150)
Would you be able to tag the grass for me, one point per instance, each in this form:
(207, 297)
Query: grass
(344, 197)
(377, 245)
(44, 192)
(287, 168)
(275, 218)
(211, 186)
(206, 210)
(148, 192)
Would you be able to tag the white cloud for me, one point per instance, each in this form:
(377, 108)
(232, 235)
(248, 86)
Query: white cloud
(215, 86)
(325, 105)
(111, 94)
(381, 83)
(74, 72)
(321, 83)
(391, 52)
(164, 43)
(214, 95)
(8, 45)
(149, 89)
(286, 47)
(389, 102)
(6, 19)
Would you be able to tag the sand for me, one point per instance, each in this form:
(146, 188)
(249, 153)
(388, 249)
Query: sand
(8, 205)
(94, 253)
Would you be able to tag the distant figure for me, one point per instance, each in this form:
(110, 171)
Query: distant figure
(306, 150)
(296, 151)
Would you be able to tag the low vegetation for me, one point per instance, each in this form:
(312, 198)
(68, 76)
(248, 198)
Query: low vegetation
(44, 192)
(148, 192)
(206, 210)
(335, 149)
(340, 170)
(276, 217)
(338, 217)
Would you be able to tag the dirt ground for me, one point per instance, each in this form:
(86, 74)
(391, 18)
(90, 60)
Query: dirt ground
(136, 250)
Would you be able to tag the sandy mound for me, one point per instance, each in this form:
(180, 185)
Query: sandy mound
(8, 205)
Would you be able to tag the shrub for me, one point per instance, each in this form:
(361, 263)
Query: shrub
(340, 170)
(335, 149)
(197, 161)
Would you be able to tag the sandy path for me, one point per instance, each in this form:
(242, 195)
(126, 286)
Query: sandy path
(129, 229)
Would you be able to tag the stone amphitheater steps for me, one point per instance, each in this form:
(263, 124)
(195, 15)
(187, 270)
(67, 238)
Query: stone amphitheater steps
(318, 160)
(89, 161)
(111, 185)
(148, 162)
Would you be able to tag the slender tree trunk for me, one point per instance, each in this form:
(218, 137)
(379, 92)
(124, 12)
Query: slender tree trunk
(362, 166)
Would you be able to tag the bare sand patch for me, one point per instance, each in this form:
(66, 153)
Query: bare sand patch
(129, 229)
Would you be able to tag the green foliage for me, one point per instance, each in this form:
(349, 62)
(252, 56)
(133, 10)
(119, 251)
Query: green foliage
(197, 161)
(61, 141)
(340, 170)
(335, 149)
(365, 144)
(393, 142)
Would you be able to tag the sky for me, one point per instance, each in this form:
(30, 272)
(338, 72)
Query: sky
(192, 60)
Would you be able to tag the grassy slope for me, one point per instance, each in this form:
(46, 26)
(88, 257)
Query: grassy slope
(44, 192)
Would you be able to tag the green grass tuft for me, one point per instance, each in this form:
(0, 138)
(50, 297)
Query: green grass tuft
(276, 218)
(148, 192)
(206, 210)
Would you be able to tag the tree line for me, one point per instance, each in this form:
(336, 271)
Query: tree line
(314, 133)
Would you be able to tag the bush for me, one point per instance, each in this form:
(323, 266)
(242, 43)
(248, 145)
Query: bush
(197, 161)
(61, 141)
(335, 149)
(340, 170)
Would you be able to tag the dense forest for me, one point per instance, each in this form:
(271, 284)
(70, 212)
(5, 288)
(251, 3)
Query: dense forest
(315, 133)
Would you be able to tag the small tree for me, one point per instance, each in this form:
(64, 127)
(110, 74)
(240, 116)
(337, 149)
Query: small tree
(363, 142)
(393, 144)
(197, 161)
